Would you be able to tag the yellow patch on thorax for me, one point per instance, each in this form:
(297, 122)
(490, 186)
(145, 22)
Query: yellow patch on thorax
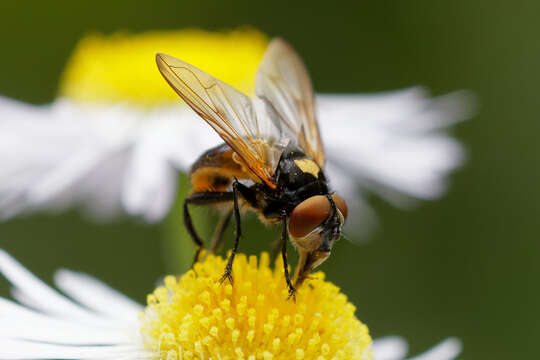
(308, 166)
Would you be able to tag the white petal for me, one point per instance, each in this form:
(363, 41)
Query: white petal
(407, 110)
(394, 143)
(21, 297)
(150, 184)
(181, 134)
(170, 139)
(100, 190)
(446, 350)
(389, 348)
(20, 349)
(48, 300)
(57, 147)
(103, 157)
(64, 174)
(62, 329)
(19, 322)
(395, 348)
(97, 296)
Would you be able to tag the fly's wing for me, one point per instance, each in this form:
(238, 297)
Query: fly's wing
(283, 81)
(233, 115)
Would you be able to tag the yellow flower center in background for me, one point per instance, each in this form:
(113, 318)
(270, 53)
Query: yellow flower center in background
(122, 67)
(195, 317)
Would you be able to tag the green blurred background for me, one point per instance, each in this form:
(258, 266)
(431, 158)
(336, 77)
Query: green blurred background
(464, 266)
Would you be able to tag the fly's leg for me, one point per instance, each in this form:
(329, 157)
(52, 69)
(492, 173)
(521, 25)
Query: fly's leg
(192, 233)
(217, 238)
(228, 269)
(284, 238)
(202, 198)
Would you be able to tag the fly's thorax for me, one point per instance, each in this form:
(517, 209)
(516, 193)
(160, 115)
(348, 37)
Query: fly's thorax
(296, 170)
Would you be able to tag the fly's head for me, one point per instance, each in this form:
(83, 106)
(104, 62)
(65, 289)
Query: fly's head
(315, 225)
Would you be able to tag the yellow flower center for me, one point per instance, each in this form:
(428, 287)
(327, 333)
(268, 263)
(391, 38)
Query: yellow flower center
(195, 317)
(122, 68)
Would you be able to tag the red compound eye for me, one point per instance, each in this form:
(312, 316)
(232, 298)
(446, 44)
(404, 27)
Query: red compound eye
(309, 214)
(341, 205)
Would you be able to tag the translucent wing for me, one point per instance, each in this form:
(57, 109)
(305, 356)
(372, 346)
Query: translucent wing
(284, 82)
(233, 115)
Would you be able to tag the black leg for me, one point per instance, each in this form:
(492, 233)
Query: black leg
(203, 198)
(219, 233)
(284, 238)
(192, 233)
(228, 269)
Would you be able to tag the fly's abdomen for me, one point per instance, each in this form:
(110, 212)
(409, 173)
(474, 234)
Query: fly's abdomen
(215, 169)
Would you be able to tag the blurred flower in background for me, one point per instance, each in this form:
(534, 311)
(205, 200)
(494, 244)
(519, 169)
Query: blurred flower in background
(116, 134)
(190, 317)
(116, 137)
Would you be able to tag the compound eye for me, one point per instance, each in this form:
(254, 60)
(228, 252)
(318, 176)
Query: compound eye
(307, 215)
(341, 205)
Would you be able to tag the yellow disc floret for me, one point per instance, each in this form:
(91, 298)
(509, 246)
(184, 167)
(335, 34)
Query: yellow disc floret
(196, 317)
(122, 68)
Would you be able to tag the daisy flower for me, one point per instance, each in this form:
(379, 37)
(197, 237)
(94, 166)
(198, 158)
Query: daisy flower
(190, 317)
(117, 136)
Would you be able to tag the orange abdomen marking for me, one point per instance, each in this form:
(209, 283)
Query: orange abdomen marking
(215, 170)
